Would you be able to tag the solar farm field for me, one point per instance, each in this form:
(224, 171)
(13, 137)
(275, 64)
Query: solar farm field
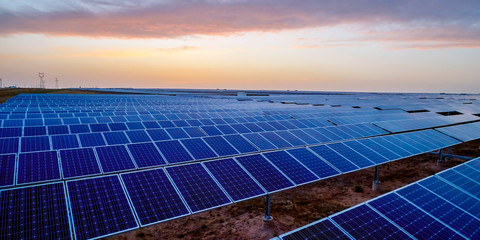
(198, 164)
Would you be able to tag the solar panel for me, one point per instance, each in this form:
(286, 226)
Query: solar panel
(137, 136)
(146, 155)
(382, 141)
(38, 212)
(34, 131)
(334, 158)
(317, 135)
(173, 151)
(114, 158)
(323, 230)
(8, 145)
(39, 143)
(99, 207)
(259, 141)
(37, 167)
(91, 139)
(238, 142)
(385, 152)
(54, 130)
(115, 138)
(158, 134)
(79, 128)
(198, 148)
(275, 140)
(314, 163)
(351, 155)
(99, 127)
(153, 196)
(78, 162)
(412, 219)
(177, 133)
(300, 134)
(197, 187)
(290, 167)
(366, 152)
(265, 173)
(220, 146)
(7, 169)
(10, 132)
(236, 182)
(118, 126)
(64, 141)
(211, 130)
(362, 222)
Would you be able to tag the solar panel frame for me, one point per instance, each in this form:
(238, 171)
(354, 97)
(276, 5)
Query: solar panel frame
(198, 148)
(146, 155)
(38, 167)
(115, 158)
(69, 159)
(7, 169)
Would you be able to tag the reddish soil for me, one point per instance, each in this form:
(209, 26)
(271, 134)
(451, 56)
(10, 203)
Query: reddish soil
(299, 206)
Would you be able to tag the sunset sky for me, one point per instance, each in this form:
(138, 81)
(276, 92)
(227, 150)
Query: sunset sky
(341, 45)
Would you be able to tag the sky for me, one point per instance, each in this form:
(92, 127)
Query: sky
(324, 45)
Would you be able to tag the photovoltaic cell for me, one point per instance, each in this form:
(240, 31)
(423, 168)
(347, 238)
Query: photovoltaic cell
(220, 146)
(290, 167)
(153, 196)
(197, 187)
(78, 162)
(198, 148)
(264, 172)
(334, 158)
(314, 163)
(177, 133)
(99, 207)
(351, 155)
(64, 141)
(146, 155)
(38, 212)
(362, 222)
(37, 166)
(114, 158)
(322, 230)
(173, 151)
(8, 145)
(158, 134)
(136, 136)
(115, 138)
(238, 142)
(34, 131)
(236, 182)
(275, 139)
(211, 130)
(91, 139)
(7, 170)
(259, 141)
(39, 143)
(412, 219)
(366, 152)
(385, 152)
(55, 130)
(194, 131)
(10, 132)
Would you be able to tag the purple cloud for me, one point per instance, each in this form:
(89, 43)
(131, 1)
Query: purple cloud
(446, 22)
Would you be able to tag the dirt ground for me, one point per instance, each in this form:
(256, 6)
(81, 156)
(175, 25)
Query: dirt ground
(299, 206)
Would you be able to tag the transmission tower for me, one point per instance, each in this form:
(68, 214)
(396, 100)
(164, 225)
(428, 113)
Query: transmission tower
(42, 82)
(56, 82)
(1, 83)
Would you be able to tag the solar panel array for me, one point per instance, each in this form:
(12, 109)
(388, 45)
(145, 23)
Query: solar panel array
(112, 163)
(443, 206)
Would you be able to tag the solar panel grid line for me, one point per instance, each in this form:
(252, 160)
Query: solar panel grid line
(217, 182)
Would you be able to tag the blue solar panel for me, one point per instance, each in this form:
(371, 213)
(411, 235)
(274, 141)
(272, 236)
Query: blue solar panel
(34, 131)
(385, 152)
(275, 139)
(382, 141)
(259, 141)
(220, 146)
(362, 222)
(173, 151)
(194, 131)
(317, 135)
(79, 128)
(292, 139)
(396, 140)
(54, 130)
(334, 158)
(118, 126)
(323, 230)
(277, 125)
(37, 166)
(181, 123)
(99, 127)
(114, 158)
(146, 155)
(238, 142)
(197, 187)
(177, 133)
(136, 136)
(240, 128)
(366, 152)
(166, 124)
(300, 134)
(226, 129)
(99, 207)
(64, 141)
(211, 130)
(115, 138)
(39, 143)
(264, 172)
(291, 167)
(7, 169)
(151, 124)
(153, 196)
(461, 181)
(448, 213)
(198, 148)
(135, 125)
(412, 219)
(253, 127)
(314, 163)
(351, 155)
(8, 145)
(38, 212)
(236, 182)
(158, 134)
(91, 139)
(78, 162)
(10, 132)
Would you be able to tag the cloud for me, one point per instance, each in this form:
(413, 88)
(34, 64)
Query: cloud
(451, 22)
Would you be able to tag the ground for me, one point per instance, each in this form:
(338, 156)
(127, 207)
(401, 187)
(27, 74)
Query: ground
(291, 208)
(299, 206)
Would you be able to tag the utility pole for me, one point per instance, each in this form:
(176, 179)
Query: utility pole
(56, 82)
(1, 83)
(42, 82)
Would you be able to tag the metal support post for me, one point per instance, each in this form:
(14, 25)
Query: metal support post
(267, 216)
(440, 154)
(376, 182)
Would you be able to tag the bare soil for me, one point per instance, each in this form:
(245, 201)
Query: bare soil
(299, 206)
